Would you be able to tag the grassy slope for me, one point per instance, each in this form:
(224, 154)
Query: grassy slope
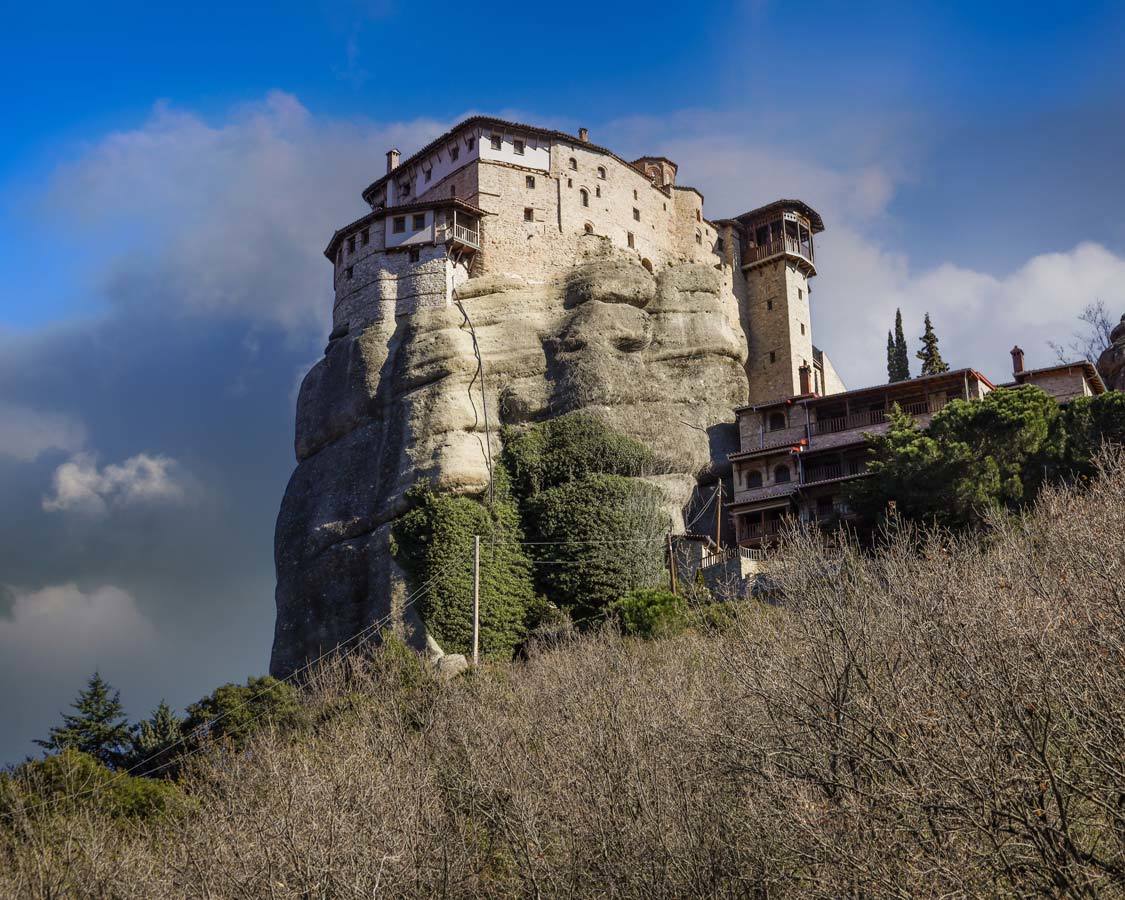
(945, 718)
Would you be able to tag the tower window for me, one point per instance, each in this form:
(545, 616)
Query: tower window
(773, 356)
(528, 214)
(597, 190)
(517, 147)
(585, 194)
(399, 225)
(636, 196)
(454, 152)
(698, 216)
(800, 294)
(348, 273)
(365, 237)
(629, 238)
(601, 172)
(570, 182)
(573, 163)
(802, 328)
(419, 221)
(769, 304)
(529, 180)
(636, 214)
(497, 142)
(351, 244)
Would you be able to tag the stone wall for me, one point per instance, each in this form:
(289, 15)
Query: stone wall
(777, 308)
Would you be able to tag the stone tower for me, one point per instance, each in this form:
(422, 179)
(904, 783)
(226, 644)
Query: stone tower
(777, 260)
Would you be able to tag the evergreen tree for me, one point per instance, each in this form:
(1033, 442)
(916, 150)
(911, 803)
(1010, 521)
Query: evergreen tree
(156, 741)
(902, 354)
(98, 727)
(892, 365)
(932, 363)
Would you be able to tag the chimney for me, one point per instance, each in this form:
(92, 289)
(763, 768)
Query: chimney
(1017, 360)
(803, 374)
(584, 135)
(392, 161)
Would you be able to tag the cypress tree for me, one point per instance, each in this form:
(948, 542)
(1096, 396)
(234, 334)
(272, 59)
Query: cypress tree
(902, 354)
(98, 727)
(932, 363)
(892, 367)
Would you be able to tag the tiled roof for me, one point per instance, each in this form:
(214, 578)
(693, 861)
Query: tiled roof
(811, 214)
(437, 203)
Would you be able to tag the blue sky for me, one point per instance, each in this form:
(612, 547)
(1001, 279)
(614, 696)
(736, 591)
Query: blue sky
(170, 174)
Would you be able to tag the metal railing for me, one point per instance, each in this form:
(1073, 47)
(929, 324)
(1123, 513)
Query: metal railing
(875, 416)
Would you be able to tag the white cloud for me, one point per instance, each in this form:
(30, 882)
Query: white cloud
(978, 316)
(81, 486)
(64, 625)
(27, 433)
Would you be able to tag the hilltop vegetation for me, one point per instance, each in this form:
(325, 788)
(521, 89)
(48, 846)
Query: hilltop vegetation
(943, 715)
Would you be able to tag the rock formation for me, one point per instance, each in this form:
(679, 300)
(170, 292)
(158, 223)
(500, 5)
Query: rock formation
(658, 356)
(1111, 364)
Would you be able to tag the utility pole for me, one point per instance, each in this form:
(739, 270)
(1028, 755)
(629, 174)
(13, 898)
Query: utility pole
(719, 516)
(671, 564)
(476, 600)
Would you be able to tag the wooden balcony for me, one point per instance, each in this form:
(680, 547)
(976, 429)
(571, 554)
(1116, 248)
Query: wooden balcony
(836, 471)
(756, 254)
(870, 417)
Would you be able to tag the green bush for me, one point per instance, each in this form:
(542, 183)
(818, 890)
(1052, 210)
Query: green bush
(603, 537)
(241, 708)
(1086, 423)
(572, 446)
(434, 543)
(651, 613)
(72, 779)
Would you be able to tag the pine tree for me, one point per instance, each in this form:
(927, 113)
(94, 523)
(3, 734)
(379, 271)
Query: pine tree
(99, 726)
(892, 365)
(156, 741)
(932, 363)
(902, 354)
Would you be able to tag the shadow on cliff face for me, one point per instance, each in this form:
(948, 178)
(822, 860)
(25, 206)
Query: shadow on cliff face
(660, 358)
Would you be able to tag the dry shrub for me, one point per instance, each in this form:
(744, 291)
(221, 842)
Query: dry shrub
(944, 717)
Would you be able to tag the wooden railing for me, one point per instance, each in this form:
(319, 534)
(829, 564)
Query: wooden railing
(831, 471)
(763, 529)
(730, 553)
(875, 416)
(785, 244)
(468, 236)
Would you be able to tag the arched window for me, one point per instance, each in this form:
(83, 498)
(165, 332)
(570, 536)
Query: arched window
(754, 479)
(589, 228)
(777, 421)
(585, 197)
(573, 164)
(781, 474)
(601, 172)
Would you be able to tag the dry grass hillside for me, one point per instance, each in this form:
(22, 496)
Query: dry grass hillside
(943, 718)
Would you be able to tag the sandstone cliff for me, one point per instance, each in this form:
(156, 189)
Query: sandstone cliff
(659, 356)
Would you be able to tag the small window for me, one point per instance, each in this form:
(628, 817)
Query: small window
(781, 474)
(528, 214)
(573, 163)
(351, 244)
(517, 147)
(529, 181)
(629, 239)
(470, 143)
(454, 152)
(665, 207)
(754, 479)
(601, 172)
(399, 225)
(419, 221)
(800, 294)
(404, 188)
(698, 216)
(597, 190)
(773, 356)
(429, 175)
(769, 304)
(802, 328)
(453, 190)
(777, 421)
(415, 254)
(570, 182)
(497, 142)
(585, 194)
(636, 214)
(365, 237)
(348, 273)
(589, 228)
(636, 196)
(698, 238)
(719, 245)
